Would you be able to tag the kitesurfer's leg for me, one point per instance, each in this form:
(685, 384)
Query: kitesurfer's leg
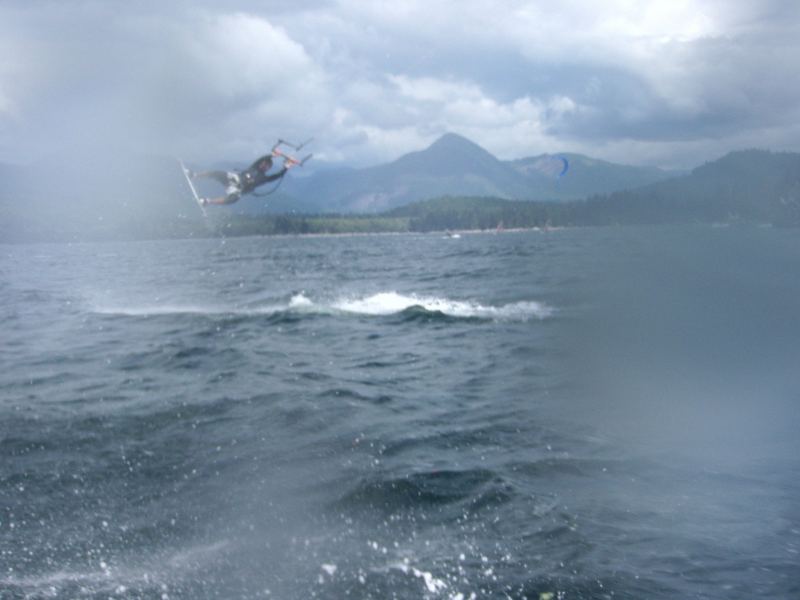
(231, 182)
(222, 177)
(226, 199)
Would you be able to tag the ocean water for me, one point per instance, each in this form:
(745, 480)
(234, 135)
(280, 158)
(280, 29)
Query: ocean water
(589, 413)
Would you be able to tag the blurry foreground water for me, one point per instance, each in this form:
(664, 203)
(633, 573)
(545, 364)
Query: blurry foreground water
(598, 413)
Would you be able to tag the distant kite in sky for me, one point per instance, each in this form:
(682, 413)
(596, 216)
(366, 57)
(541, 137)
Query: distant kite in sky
(552, 165)
(565, 168)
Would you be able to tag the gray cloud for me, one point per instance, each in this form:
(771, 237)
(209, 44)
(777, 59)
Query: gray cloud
(670, 83)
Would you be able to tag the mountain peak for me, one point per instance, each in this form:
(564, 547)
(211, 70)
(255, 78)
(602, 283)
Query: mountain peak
(455, 147)
(453, 142)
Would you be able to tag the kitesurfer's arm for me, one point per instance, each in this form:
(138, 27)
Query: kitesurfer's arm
(261, 178)
(277, 175)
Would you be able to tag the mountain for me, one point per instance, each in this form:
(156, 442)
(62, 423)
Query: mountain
(117, 196)
(751, 186)
(756, 186)
(455, 166)
(585, 176)
(451, 165)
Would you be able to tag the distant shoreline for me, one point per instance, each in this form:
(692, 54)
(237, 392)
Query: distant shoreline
(221, 234)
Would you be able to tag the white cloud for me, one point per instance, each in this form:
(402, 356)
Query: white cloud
(245, 55)
(200, 83)
(250, 83)
(371, 80)
(607, 74)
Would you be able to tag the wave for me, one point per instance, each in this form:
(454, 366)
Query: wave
(388, 303)
(379, 304)
(155, 310)
(297, 303)
(470, 490)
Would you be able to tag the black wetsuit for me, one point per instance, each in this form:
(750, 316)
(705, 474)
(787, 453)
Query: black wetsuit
(244, 182)
(256, 174)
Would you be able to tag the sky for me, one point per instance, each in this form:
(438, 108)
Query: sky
(665, 83)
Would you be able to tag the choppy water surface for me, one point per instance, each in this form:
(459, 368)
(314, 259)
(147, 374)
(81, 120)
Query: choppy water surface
(571, 414)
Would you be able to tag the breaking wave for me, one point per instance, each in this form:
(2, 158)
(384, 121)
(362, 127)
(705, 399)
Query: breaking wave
(379, 304)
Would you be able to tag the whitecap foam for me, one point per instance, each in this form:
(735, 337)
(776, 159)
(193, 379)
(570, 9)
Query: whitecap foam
(300, 301)
(154, 310)
(384, 303)
(378, 304)
(388, 303)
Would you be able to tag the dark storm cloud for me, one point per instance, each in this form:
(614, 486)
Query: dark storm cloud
(728, 85)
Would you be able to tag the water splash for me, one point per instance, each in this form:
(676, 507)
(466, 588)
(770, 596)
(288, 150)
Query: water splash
(388, 303)
(379, 304)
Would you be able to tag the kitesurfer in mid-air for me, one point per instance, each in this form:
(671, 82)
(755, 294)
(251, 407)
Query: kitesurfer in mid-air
(238, 183)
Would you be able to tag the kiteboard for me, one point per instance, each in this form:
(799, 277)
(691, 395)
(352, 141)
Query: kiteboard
(191, 187)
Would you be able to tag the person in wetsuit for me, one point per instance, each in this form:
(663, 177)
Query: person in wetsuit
(238, 183)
